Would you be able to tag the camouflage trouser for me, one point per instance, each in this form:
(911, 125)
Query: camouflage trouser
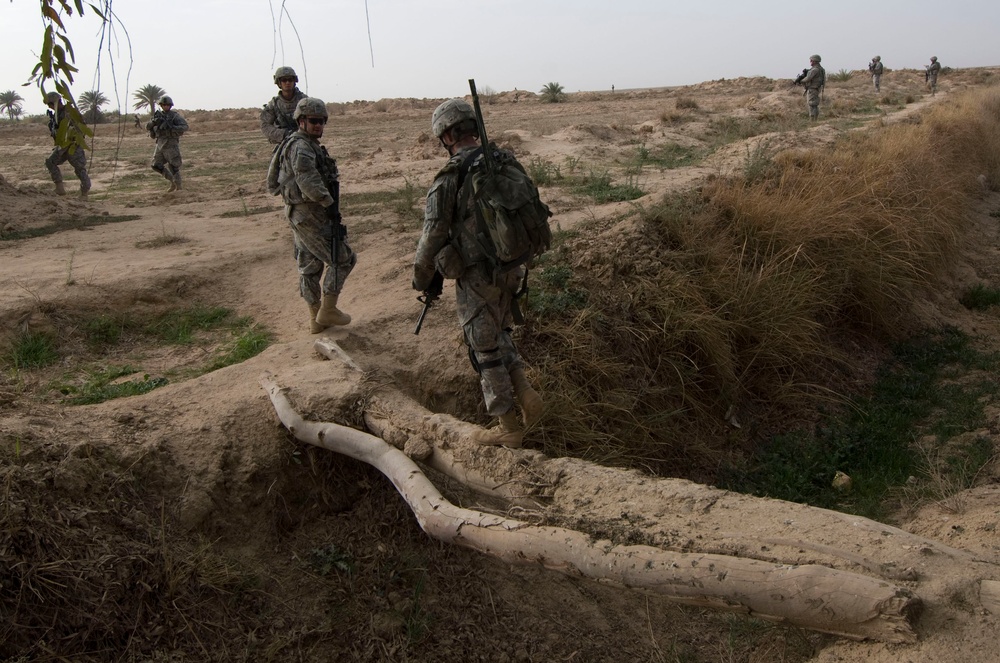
(311, 237)
(167, 159)
(812, 98)
(484, 311)
(932, 82)
(78, 160)
(877, 81)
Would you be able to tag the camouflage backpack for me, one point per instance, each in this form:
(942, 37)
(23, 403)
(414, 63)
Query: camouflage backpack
(512, 222)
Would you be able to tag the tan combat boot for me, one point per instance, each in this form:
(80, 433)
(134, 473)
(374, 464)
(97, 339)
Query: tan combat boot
(314, 327)
(60, 189)
(507, 433)
(173, 187)
(529, 399)
(329, 315)
(84, 195)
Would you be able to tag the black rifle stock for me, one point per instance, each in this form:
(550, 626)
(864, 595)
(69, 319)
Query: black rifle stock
(430, 295)
(798, 80)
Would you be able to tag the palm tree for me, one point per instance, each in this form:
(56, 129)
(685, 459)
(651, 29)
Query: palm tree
(10, 103)
(147, 96)
(90, 104)
(553, 93)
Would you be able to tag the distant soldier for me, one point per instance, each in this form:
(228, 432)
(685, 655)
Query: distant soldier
(876, 68)
(276, 121)
(930, 76)
(138, 122)
(305, 175)
(167, 127)
(75, 155)
(814, 81)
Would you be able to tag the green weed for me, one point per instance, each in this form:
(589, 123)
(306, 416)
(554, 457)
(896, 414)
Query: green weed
(598, 186)
(33, 350)
(543, 173)
(67, 224)
(841, 76)
(670, 155)
(980, 297)
(872, 441)
(249, 342)
(100, 386)
(329, 558)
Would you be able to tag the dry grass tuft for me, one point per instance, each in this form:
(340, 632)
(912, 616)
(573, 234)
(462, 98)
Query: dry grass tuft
(719, 308)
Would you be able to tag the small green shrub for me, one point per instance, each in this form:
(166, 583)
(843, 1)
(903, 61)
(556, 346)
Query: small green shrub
(980, 297)
(552, 93)
(542, 172)
(33, 350)
(841, 76)
(598, 186)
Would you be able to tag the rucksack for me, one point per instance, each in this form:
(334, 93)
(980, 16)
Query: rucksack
(512, 222)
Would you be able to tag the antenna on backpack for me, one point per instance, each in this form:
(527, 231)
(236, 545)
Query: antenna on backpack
(484, 142)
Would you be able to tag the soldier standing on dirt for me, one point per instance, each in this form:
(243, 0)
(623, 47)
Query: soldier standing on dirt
(876, 69)
(933, 69)
(75, 155)
(814, 81)
(276, 121)
(308, 180)
(167, 127)
(484, 300)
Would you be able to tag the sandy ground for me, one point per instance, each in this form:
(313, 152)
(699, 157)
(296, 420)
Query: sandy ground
(227, 468)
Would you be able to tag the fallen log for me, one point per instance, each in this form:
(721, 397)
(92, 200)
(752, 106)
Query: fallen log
(809, 596)
(676, 514)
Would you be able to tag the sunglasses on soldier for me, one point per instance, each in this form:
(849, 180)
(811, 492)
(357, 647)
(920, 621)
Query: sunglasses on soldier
(316, 120)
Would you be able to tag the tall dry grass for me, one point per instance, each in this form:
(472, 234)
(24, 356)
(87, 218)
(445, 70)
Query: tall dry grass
(717, 316)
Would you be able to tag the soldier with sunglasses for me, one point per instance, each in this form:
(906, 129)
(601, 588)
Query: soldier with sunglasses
(303, 172)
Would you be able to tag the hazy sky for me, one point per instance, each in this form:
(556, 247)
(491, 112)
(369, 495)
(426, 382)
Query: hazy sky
(210, 54)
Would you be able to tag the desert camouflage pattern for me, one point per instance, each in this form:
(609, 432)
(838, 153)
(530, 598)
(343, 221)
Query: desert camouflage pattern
(483, 300)
(276, 120)
(932, 74)
(167, 155)
(60, 155)
(813, 82)
(306, 197)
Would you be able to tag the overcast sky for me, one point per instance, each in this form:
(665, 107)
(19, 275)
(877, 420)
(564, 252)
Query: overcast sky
(211, 54)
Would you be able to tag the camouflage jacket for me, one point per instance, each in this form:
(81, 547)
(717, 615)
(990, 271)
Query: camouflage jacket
(305, 171)
(815, 77)
(444, 223)
(167, 124)
(276, 120)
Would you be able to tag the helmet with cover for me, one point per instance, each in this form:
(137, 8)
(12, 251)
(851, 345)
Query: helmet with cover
(284, 72)
(450, 113)
(815, 58)
(52, 98)
(165, 101)
(310, 107)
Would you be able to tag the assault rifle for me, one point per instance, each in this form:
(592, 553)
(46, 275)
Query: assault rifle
(337, 230)
(484, 142)
(800, 77)
(431, 295)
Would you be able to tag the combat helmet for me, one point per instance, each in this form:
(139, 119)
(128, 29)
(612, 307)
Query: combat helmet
(165, 101)
(310, 106)
(284, 72)
(450, 113)
(815, 58)
(52, 97)
(933, 58)
(877, 58)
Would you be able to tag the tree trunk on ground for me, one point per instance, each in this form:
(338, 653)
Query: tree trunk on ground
(810, 596)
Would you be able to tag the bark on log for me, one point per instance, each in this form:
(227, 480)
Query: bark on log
(810, 596)
(675, 514)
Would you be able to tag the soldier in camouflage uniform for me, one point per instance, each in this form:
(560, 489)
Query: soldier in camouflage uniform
(167, 127)
(76, 157)
(875, 68)
(276, 121)
(814, 81)
(484, 299)
(307, 178)
(933, 69)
